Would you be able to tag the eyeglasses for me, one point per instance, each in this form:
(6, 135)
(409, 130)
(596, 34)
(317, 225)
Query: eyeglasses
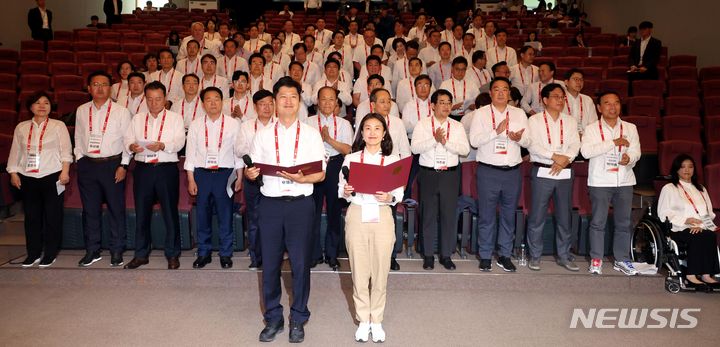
(444, 103)
(556, 97)
(99, 85)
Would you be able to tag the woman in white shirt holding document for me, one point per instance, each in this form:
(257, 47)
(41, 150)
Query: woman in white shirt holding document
(370, 228)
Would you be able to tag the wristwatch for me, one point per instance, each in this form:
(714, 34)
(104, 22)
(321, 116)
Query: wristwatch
(393, 199)
(124, 166)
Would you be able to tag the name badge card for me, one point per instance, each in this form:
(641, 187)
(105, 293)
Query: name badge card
(440, 158)
(708, 223)
(212, 161)
(612, 160)
(94, 143)
(371, 212)
(151, 157)
(501, 146)
(33, 162)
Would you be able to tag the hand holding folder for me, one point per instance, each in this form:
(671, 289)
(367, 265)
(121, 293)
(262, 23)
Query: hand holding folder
(370, 179)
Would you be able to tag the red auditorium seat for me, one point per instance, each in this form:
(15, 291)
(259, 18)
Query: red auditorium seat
(575, 52)
(29, 82)
(620, 61)
(711, 104)
(601, 62)
(108, 35)
(710, 73)
(85, 46)
(8, 81)
(156, 48)
(113, 58)
(86, 35)
(646, 127)
(590, 87)
(617, 72)
(8, 99)
(85, 57)
(9, 54)
(8, 121)
(668, 150)
(682, 73)
(681, 128)
(644, 106)
(682, 105)
(31, 45)
(154, 39)
(67, 82)
(543, 59)
(60, 56)
(87, 69)
(580, 193)
(713, 187)
(711, 88)
(131, 37)
(32, 55)
(618, 86)
(713, 155)
(568, 62)
(683, 60)
(8, 67)
(33, 67)
(68, 101)
(712, 129)
(683, 88)
(648, 88)
(63, 69)
(552, 51)
(54, 45)
(603, 51)
(133, 48)
(137, 58)
(108, 46)
(62, 35)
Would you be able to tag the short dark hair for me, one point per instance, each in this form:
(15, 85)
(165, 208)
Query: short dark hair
(500, 79)
(139, 75)
(94, 17)
(413, 44)
(373, 57)
(573, 71)
(374, 93)
(239, 73)
(230, 41)
(422, 77)
(261, 94)
(604, 93)
(148, 57)
(35, 97)
(166, 50)
(155, 85)
(375, 77)
(210, 89)
(386, 144)
(524, 49)
(497, 66)
(459, 60)
(632, 29)
(645, 25)
(208, 56)
(286, 82)
(193, 41)
(99, 73)
(439, 93)
(264, 48)
(549, 64)
(482, 99)
(335, 92)
(191, 75)
(258, 56)
(444, 43)
(295, 62)
(477, 55)
(416, 58)
(332, 61)
(398, 41)
(545, 92)
(501, 31)
(120, 64)
(298, 46)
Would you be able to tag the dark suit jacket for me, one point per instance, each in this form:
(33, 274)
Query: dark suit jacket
(109, 9)
(651, 56)
(35, 23)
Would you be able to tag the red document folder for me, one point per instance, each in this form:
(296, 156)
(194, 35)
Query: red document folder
(307, 168)
(369, 178)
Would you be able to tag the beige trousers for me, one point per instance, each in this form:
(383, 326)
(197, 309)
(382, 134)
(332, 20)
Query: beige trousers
(369, 247)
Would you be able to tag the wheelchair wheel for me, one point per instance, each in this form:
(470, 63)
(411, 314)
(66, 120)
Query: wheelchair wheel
(672, 286)
(647, 243)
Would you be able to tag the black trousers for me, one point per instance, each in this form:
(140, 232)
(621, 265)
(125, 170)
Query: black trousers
(328, 190)
(43, 209)
(159, 183)
(96, 181)
(438, 197)
(251, 189)
(702, 257)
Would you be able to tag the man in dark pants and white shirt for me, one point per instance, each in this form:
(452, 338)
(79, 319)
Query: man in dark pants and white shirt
(155, 137)
(554, 145)
(337, 135)
(498, 132)
(102, 164)
(439, 140)
(286, 208)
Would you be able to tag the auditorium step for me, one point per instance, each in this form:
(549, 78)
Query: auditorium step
(553, 278)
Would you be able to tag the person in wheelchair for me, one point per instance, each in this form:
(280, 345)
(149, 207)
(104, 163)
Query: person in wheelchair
(686, 204)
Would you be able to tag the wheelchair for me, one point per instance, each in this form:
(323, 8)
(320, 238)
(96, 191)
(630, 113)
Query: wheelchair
(651, 244)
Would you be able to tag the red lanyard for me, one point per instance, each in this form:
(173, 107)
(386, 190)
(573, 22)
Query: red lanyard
(432, 123)
(547, 129)
(412, 89)
(581, 107)
(540, 89)
(602, 135)
(127, 102)
(417, 104)
(442, 74)
(162, 125)
(478, 76)
(362, 158)
(497, 57)
(691, 200)
(171, 79)
(507, 118)
(182, 108)
(522, 76)
(107, 117)
(202, 84)
(232, 104)
(321, 37)
(42, 134)
(222, 128)
(334, 125)
(350, 40)
(127, 96)
(117, 95)
(227, 73)
(405, 67)
(277, 146)
(306, 72)
(186, 66)
(452, 80)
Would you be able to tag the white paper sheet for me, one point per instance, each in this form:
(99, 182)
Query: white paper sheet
(60, 187)
(231, 183)
(544, 172)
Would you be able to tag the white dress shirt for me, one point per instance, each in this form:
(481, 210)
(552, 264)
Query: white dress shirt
(346, 52)
(486, 43)
(245, 103)
(189, 111)
(461, 91)
(361, 88)
(477, 76)
(206, 47)
(362, 51)
(440, 72)
(643, 46)
(564, 142)
(398, 135)
(582, 109)
(338, 128)
(479, 36)
(172, 80)
(343, 88)
(311, 73)
(309, 149)
(419, 34)
(364, 108)
(674, 205)
(260, 82)
(415, 110)
(429, 54)
(226, 67)
(599, 148)
(353, 40)
(532, 101)
(484, 137)
(112, 137)
(190, 65)
(196, 151)
(521, 77)
(290, 41)
(497, 54)
(322, 39)
(254, 45)
(424, 143)
(119, 89)
(368, 158)
(56, 147)
(274, 72)
(466, 121)
(135, 104)
(247, 134)
(218, 82)
(173, 135)
(389, 51)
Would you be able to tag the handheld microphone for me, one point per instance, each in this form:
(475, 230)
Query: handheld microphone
(249, 163)
(346, 174)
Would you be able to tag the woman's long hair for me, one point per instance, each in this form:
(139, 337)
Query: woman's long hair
(386, 145)
(677, 164)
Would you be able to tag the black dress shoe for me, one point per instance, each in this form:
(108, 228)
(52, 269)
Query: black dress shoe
(297, 332)
(201, 261)
(271, 330)
(394, 265)
(226, 262)
(485, 265)
(447, 263)
(136, 263)
(116, 259)
(333, 263)
(429, 263)
(173, 263)
(255, 265)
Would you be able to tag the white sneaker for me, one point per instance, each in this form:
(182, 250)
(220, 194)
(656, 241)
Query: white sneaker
(363, 332)
(595, 266)
(625, 267)
(377, 332)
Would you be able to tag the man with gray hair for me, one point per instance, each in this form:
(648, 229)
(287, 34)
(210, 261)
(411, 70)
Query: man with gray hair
(197, 32)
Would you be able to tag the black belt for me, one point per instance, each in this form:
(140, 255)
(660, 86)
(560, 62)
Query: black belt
(449, 168)
(104, 159)
(165, 163)
(220, 169)
(502, 168)
(549, 166)
(335, 157)
(286, 197)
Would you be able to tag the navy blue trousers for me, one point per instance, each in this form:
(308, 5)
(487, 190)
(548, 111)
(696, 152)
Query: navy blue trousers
(328, 190)
(252, 199)
(156, 183)
(212, 186)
